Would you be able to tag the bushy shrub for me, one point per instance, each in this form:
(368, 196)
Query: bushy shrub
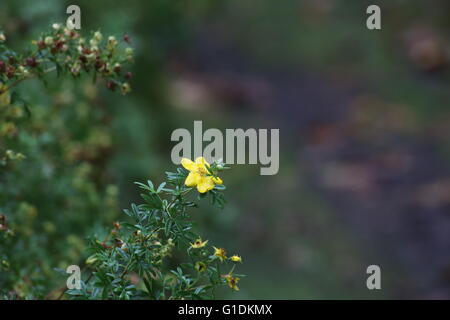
(54, 186)
(132, 261)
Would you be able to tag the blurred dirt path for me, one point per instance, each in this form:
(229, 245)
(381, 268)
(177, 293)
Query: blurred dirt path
(386, 182)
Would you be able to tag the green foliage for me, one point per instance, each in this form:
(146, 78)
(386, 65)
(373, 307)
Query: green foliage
(132, 262)
(53, 155)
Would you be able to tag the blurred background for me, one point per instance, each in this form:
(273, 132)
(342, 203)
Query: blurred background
(364, 141)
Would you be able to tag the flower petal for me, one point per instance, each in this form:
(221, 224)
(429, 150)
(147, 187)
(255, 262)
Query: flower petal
(188, 164)
(217, 180)
(192, 179)
(205, 184)
(201, 162)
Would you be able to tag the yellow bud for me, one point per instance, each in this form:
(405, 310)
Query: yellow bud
(48, 41)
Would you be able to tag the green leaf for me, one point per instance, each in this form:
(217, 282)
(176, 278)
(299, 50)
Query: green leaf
(161, 186)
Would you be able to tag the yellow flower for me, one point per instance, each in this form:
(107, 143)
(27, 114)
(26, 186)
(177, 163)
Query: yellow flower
(236, 258)
(200, 266)
(232, 281)
(5, 98)
(199, 175)
(198, 243)
(220, 253)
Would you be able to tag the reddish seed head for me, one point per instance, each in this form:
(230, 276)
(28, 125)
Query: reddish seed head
(111, 85)
(98, 64)
(10, 71)
(128, 75)
(59, 44)
(41, 44)
(118, 242)
(31, 62)
(104, 245)
(126, 38)
(3, 223)
(83, 59)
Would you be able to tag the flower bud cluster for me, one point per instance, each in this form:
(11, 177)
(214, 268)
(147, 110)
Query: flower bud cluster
(66, 51)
